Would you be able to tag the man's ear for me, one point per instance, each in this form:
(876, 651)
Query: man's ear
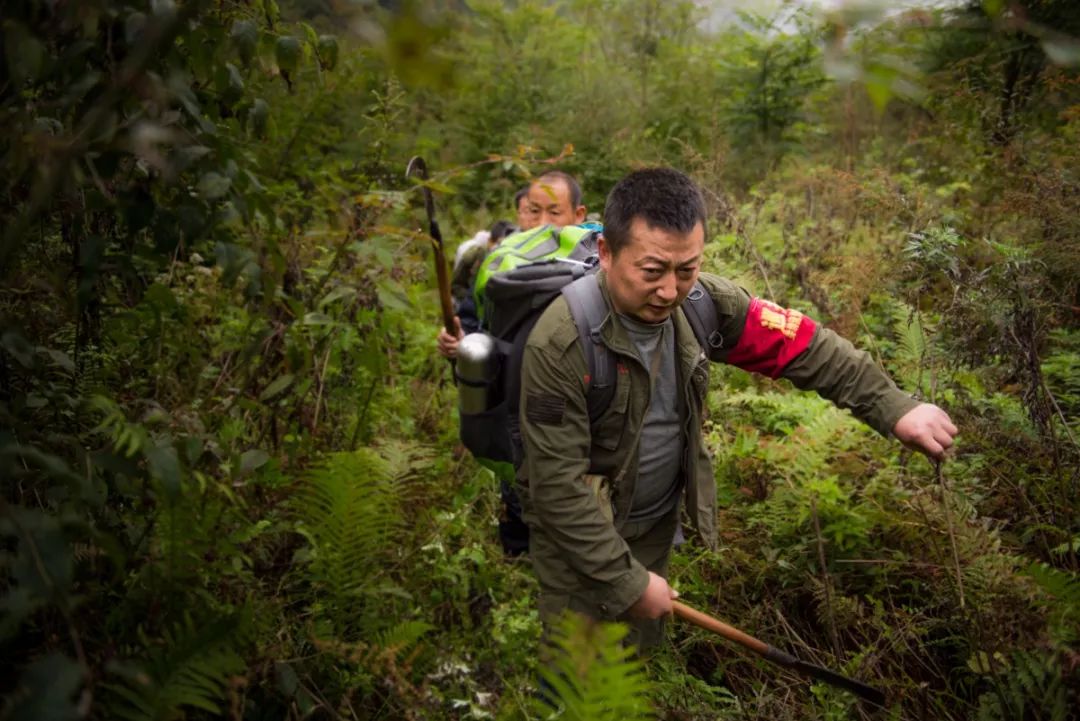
(604, 251)
(579, 215)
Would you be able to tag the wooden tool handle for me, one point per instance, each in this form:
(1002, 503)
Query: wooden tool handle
(704, 620)
(442, 277)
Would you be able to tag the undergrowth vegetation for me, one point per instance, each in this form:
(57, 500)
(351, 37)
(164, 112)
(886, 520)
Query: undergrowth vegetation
(231, 479)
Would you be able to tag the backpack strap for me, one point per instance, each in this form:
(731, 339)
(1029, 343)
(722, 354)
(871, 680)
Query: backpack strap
(589, 311)
(701, 313)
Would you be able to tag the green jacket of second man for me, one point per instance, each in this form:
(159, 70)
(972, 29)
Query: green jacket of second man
(565, 455)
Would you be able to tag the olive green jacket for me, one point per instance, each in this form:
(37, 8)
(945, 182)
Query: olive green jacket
(561, 446)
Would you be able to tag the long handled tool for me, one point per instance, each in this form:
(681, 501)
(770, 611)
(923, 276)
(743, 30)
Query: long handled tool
(775, 655)
(417, 166)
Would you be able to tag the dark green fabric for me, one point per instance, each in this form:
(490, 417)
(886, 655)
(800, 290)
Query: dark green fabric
(560, 506)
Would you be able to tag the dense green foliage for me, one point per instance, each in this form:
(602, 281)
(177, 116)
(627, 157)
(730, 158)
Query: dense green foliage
(231, 483)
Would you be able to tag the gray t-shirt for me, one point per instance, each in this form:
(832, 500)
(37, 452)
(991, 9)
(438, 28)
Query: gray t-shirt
(660, 452)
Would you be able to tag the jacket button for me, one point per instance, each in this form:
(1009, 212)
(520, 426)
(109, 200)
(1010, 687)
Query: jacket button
(603, 608)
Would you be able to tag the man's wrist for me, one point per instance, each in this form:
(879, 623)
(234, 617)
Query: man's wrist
(625, 591)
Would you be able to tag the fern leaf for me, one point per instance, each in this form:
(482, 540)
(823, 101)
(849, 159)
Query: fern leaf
(592, 675)
(403, 636)
(350, 511)
(190, 670)
(1031, 687)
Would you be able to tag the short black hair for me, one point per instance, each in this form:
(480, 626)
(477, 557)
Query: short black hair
(571, 183)
(524, 191)
(500, 229)
(663, 197)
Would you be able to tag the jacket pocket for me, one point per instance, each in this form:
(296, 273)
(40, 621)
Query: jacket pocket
(600, 487)
(607, 431)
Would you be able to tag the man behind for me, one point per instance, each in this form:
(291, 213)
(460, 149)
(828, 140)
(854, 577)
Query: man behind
(609, 559)
(554, 198)
(464, 274)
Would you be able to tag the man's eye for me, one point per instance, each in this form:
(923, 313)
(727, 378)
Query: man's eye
(652, 272)
(687, 272)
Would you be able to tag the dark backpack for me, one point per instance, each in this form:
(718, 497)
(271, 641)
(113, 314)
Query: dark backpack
(516, 282)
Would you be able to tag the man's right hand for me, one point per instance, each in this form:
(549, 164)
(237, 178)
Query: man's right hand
(447, 343)
(656, 601)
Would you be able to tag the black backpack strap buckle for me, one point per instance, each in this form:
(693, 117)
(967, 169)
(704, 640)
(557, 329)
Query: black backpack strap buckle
(701, 313)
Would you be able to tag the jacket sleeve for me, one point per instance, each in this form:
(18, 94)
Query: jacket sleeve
(762, 337)
(556, 437)
(848, 377)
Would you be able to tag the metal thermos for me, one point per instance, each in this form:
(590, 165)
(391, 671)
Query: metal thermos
(476, 368)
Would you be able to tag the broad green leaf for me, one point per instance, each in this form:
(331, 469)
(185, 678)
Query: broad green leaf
(213, 185)
(342, 291)
(164, 466)
(160, 298)
(393, 296)
(43, 563)
(276, 388)
(271, 10)
(14, 343)
(252, 459)
(327, 48)
(24, 52)
(317, 318)
(258, 116)
(61, 359)
(133, 26)
(15, 606)
(163, 8)
(244, 36)
(287, 53)
(1062, 51)
(46, 691)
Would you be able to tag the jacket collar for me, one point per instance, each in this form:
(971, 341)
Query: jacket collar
(617, 339)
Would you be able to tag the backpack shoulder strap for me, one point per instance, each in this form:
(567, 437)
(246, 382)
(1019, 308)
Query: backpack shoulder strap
(701, 313)
(589, 311)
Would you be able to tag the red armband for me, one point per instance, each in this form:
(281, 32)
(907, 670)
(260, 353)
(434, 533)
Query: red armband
(771, 338)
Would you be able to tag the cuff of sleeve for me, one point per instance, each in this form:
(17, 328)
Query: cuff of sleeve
(625, 591)
(892, 410)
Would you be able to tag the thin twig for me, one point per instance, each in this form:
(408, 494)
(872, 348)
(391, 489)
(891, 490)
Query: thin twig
(825, 580)
(322, 384)
(952, 533)
(888, 562)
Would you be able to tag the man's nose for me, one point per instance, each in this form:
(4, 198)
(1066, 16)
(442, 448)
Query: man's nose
(668, 290)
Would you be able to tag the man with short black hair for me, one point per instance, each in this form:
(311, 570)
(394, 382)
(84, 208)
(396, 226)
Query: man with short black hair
(554, 198)
(602, 498)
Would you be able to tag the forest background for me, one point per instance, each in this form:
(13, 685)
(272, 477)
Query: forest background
(231, 480)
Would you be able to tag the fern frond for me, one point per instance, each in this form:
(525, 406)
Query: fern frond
(592, 675)
(911, 342)
(1064, 612)
(191, 669)
(403, 636)
(1031, 687)
(350, 512)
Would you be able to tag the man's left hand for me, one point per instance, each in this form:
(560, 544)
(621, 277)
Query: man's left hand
(926, 428)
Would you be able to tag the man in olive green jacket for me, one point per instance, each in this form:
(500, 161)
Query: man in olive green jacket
(602, 499)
